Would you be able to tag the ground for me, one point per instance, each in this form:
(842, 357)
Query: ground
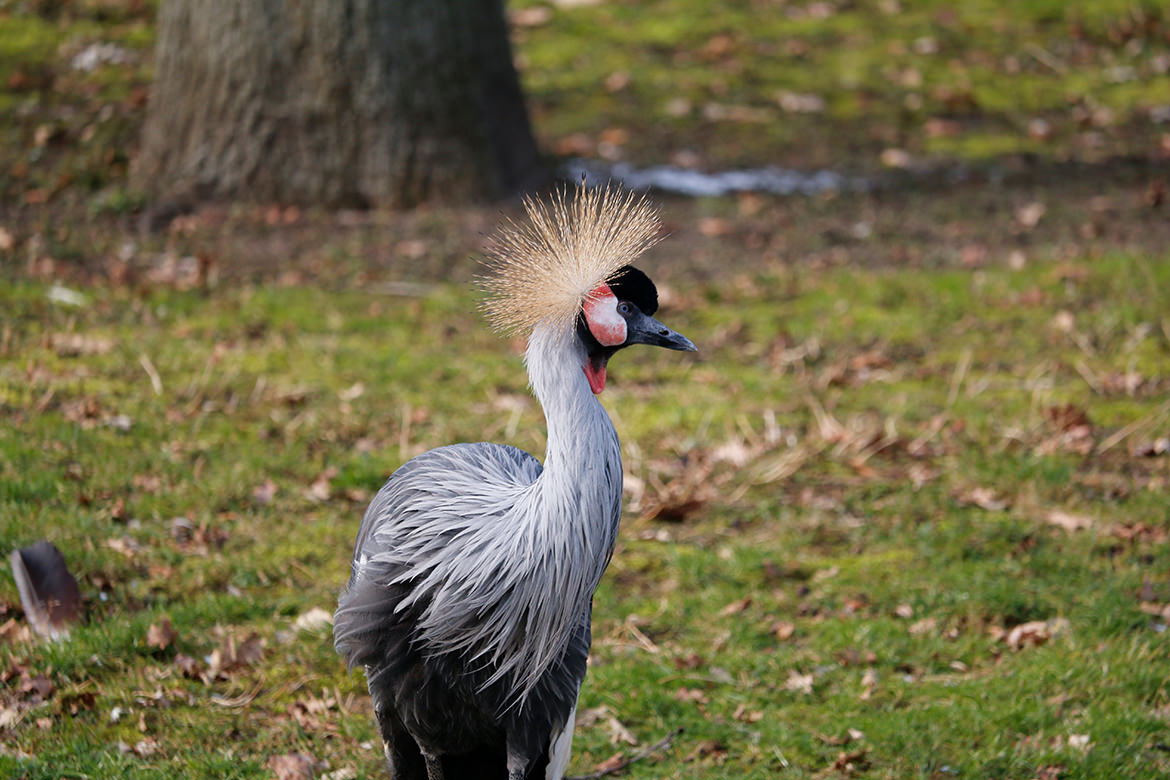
(903, 515)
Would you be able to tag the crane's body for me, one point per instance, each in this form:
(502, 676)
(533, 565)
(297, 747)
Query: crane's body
(470, 597)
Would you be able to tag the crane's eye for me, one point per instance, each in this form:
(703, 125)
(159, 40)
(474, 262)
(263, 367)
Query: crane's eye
(625, 308)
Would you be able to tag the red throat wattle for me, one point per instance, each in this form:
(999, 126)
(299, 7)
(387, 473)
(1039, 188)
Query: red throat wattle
(595, 373)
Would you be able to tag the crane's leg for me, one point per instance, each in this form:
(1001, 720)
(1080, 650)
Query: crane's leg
(517, 766)
(434, 767)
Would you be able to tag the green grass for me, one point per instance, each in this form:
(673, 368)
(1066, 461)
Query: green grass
(833, 511)
(885, 71)
(895, 581)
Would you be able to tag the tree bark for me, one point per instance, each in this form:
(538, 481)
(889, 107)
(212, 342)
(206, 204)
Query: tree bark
(335, 102)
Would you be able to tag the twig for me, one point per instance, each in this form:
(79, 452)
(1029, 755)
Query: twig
(661, 744)
(155, 380)
(1044, 57)
(960, 373)
(1132, 428)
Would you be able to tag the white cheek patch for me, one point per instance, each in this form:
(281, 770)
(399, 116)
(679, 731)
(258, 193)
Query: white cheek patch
(601, 315)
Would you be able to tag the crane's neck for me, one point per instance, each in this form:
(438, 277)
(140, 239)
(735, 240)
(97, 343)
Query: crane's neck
(581, 439)
(561, 528)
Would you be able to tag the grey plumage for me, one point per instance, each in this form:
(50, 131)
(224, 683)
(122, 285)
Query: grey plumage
(471, 589)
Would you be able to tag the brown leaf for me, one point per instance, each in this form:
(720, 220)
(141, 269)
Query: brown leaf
(188, 666)
(869, 682)
(1068, 418)
(38, 688)
(744, 715)
(234, 656)
(1153, 449)
(853, 761)
(264, 492)
(293, 766)
(74, 344)
(611, 764)
(314, 620)
(711, 748)
(534, 16)
(1068, 522)
(925, 626)
(736, 606)
(799, 683)
(713, 227)
(784, 630)
(161, 634)
(13, 632)
(982, 497)
(320, 489)
(691, 694)
(1034, 633)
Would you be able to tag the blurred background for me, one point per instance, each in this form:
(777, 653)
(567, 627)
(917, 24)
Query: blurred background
(904, 515)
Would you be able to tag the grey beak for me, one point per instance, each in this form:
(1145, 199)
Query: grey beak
(644, 329)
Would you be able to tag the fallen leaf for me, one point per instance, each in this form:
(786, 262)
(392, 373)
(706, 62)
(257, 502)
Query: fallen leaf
(161, 634)
(320, 489)
(1034, 633)
(784, 630)
(1153, 449)
(799, 683)
(264, 492)
(534, 16)
(982, 497)
(904, 611)
(853, 761)
(75, 344)
(925, 626)
(691, 694)
(851, 735)
(611, 764)
(314, 620)
(188, 666)
(37, 687)
(13, 632)
(293, 766)
(232, 656)
(352, 392)
(895, 158)
(1068, 522)
(125, 545)
(869, 682)
(9, 716)
(744, 715)
(712, 748)
(1030, 214)
(618, 733)
(736, 606)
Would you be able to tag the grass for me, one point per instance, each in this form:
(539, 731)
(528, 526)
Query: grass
(888, 576)
(921, 417)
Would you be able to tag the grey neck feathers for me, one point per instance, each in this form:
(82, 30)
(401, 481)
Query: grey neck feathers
(510, 579)
(572, 513)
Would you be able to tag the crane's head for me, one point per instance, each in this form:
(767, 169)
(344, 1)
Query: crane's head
(569, 267)
(616, 315)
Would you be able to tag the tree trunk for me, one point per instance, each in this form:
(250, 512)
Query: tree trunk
(344, 102)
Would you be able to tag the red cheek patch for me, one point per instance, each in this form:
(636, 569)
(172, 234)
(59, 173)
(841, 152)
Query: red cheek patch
(601, 315)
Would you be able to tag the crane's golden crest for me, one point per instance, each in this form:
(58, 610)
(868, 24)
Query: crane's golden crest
(543, 271)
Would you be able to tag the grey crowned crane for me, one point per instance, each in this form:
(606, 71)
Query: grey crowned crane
(471, 593)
